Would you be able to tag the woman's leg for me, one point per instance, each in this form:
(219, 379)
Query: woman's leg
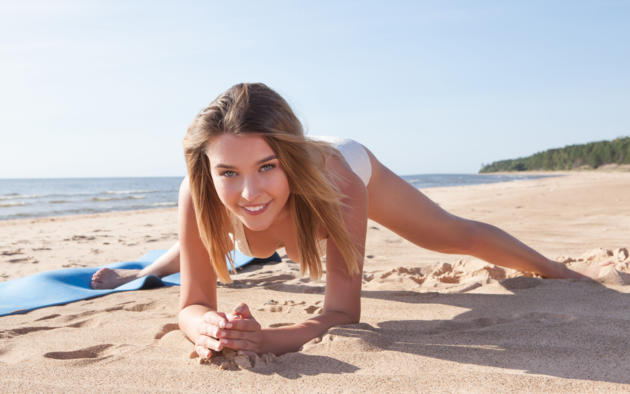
(397, 205)
(167, 264)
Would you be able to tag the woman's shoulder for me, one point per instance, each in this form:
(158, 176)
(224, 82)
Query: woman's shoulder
(342, 175)
(185, 198)
(185, 184)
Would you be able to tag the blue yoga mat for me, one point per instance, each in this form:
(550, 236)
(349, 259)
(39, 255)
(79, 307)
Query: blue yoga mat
(66, 285)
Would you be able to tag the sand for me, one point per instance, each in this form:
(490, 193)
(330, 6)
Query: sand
(430, 322)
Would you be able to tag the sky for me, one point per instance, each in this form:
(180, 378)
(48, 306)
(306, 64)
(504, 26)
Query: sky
(108, 88)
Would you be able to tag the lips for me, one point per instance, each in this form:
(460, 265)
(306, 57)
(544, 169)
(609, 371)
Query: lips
(255, 209)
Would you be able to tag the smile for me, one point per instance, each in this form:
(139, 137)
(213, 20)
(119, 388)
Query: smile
(255, 209)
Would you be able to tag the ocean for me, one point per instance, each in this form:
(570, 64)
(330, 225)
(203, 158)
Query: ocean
(30, 198)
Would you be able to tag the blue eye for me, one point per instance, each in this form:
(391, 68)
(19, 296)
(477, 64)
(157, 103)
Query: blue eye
(228, 173)
(267, 167)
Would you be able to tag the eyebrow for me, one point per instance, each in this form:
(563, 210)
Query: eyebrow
(268, 158)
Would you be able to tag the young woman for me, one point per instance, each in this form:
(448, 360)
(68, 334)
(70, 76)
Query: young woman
(255, 182)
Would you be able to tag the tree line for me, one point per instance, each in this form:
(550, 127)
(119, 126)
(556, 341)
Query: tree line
(591, 155)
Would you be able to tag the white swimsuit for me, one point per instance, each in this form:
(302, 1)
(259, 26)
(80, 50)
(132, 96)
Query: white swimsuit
(357, 158)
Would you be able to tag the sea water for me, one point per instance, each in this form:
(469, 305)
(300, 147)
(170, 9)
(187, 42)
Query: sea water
(28, 198)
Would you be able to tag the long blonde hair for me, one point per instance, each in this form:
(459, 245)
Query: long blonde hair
(254, 108)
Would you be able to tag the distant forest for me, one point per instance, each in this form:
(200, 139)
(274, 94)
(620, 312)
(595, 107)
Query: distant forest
(591, 155)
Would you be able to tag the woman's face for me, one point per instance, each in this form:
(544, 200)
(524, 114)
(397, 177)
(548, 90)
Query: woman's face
(248, 179)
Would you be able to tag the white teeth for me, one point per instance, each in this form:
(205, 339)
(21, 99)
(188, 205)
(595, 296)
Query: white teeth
(254, 208)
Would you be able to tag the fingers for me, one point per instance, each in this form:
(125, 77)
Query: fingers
(215, 318)
(237, 330)
(202, 352)
(238, 334)
(237, 340)
(206, 344)
(243, 310)
(243, 325)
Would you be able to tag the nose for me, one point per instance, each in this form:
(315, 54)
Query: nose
(251, 188)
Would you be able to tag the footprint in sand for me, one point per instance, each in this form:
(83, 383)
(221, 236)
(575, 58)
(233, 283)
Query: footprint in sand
(27, 259)
(134, 307)
(168, 236)
(72, 317)
(11, 252)
(93, 352)
(140, 307)
(73, 265)
(54, 315)
(23, 331)
(80, 238)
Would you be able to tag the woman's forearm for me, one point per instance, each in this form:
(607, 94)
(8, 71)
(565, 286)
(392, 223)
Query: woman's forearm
(274, 340)
(498, 247)
(291, 338)
(190, 319)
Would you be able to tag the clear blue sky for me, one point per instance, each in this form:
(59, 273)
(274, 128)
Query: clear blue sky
(108, 88)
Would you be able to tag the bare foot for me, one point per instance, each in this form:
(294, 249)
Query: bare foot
(107, 278)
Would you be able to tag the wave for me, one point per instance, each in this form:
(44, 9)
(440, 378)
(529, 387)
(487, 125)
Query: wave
(15, 196)
(165, 204)
(132, 197)
(58, 201)
(12, 204)
(131, 191)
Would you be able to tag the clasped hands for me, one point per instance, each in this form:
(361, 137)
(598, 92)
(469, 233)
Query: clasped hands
(237, 330)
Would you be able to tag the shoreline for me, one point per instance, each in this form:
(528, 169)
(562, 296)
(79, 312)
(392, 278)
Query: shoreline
(34, 219)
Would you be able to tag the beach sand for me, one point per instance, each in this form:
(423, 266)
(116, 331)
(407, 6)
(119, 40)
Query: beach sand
(430, 322)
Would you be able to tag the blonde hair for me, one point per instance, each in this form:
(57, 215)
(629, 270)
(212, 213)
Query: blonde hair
(254, 108)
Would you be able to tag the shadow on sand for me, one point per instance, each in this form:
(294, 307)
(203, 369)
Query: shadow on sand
(547, 327)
